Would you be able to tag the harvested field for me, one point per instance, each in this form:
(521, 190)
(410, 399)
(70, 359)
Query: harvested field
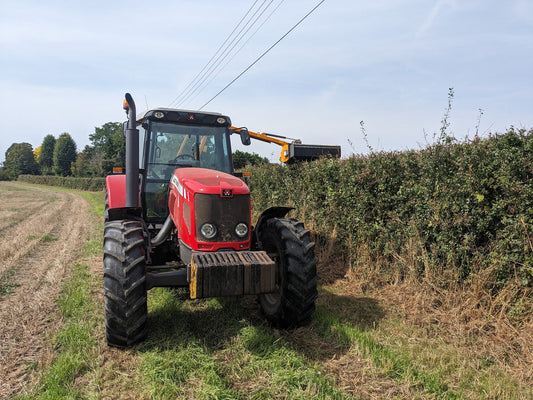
(42, 234)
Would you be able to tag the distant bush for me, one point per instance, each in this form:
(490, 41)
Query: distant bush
(3, 174)
(88, 184)
(443, 213)
(241, 159)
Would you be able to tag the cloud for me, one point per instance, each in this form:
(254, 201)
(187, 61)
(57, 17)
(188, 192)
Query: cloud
(430, 19)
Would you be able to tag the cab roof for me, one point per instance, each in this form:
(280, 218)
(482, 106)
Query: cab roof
(184, 116)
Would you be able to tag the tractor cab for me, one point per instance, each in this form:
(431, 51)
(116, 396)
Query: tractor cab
(172, 139)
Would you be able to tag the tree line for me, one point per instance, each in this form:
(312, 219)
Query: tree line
(60, 157)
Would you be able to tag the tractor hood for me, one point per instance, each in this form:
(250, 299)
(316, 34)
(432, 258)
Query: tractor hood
(209, 209)
(189, 181)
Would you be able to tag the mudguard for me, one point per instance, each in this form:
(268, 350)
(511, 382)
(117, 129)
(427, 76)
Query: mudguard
(271, 212)
(116, 200)
(116, 190)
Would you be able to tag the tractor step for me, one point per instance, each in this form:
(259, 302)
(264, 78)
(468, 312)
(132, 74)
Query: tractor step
(231, 273)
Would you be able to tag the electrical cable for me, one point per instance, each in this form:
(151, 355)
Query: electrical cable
(264, 54)
(228, 50)
(200, 90)
(216, 52)
(200, 85)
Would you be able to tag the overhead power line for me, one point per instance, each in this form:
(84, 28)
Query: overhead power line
(264, 54)
(191, 87)
(214, 55)
(246, 28)
(200, 90)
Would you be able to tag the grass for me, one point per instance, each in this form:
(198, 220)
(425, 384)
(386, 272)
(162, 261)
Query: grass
(214, 349)
(394, 363)
(46, 238)
(75, 343)
(7, 286)
(355, 347)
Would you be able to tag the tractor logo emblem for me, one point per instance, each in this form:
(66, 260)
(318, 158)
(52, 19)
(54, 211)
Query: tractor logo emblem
(227, 193)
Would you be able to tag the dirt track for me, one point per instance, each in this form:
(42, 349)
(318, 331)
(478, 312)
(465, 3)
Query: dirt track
(40, 233)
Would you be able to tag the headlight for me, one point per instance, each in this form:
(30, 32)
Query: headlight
(241, 229)
(209, 231)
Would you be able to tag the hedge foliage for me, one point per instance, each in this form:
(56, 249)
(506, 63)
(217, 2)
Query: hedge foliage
(444, 212)
(88, 184)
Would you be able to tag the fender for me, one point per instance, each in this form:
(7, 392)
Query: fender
(116, 199)
(271, 212)
(116, 190)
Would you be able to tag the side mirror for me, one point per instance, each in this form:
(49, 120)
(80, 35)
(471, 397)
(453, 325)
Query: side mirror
(245, 137)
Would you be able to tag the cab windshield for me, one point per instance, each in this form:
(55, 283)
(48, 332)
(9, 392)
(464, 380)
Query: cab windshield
(172, 146)
(178, 146)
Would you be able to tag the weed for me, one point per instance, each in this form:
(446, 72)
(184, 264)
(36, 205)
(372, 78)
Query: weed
(47, 238)
(365, 137)
(7, 286)
(446, 137)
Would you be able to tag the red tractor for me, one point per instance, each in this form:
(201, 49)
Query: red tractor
(180, 217)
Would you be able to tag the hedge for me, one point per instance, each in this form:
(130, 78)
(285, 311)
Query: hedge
(444, 212)
(88, 184)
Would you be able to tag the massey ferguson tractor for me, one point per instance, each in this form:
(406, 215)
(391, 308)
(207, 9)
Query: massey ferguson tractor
(179, 217)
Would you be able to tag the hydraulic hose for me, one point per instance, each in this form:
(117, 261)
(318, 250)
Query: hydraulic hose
(163, 233)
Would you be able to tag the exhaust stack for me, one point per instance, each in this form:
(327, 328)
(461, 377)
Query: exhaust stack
(132, 154)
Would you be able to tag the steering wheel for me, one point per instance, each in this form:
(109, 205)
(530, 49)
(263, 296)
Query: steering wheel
(184, 157)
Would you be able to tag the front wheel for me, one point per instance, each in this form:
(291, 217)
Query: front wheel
(124, 283)
(288, 243)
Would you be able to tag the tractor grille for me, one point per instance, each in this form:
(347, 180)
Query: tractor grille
(224, 212)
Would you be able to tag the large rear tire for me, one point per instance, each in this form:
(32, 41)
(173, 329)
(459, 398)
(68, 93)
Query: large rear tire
(124, 283)
(288, 243)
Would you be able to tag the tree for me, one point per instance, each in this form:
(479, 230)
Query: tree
(87, 163)
(64, 154)
(37, 154)
(3, 174)
(110, 146)
(46, 157)
(242, 159)
(19, 160)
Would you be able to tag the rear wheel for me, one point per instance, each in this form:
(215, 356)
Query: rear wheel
(288, 243)
(124, 283)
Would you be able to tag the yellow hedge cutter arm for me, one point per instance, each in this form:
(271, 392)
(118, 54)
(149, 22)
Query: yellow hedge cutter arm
(292, 150)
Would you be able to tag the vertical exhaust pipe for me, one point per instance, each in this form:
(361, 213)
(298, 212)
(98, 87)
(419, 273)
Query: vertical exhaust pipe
(132, 154)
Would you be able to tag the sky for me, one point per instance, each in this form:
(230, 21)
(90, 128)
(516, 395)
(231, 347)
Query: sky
(65, 66)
